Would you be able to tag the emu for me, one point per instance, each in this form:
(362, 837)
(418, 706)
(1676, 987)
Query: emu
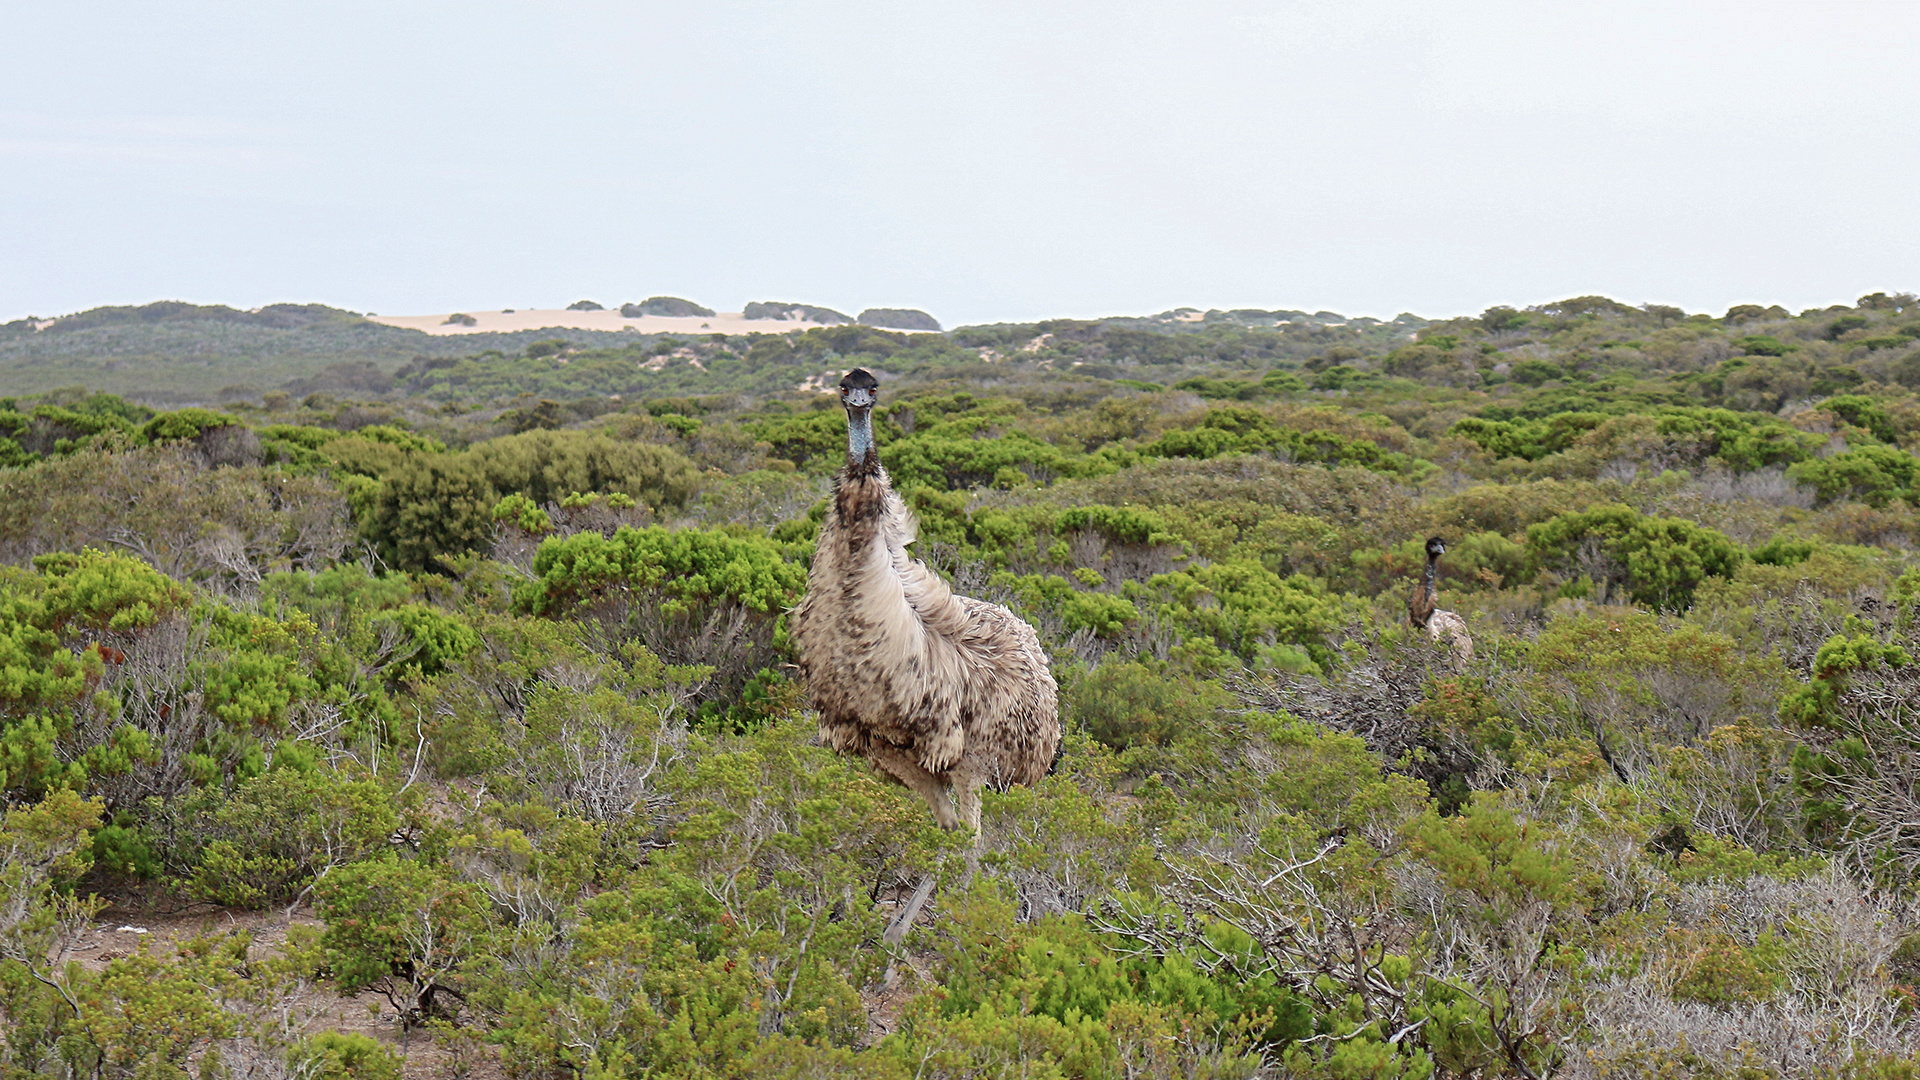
(943, 693)
(1423, 612)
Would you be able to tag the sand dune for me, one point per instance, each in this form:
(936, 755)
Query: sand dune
(501, 322)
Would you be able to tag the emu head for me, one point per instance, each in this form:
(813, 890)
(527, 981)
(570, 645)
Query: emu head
(859, 390)
(1436, 547)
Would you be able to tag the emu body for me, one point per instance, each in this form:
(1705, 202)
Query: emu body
(1424, 612)
(1426, 595)
(943, 693)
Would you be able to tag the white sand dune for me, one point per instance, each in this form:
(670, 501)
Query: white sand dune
(502, 322)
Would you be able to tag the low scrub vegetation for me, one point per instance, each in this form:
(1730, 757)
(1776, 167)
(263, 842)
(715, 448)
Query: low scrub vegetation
(481, 684)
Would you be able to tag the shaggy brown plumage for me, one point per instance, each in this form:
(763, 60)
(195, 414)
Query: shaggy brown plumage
(943, 693)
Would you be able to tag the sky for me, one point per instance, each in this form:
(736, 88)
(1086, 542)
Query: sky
(986, 162)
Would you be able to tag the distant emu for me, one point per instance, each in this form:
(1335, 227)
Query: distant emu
(1424, 614)
(943, 693)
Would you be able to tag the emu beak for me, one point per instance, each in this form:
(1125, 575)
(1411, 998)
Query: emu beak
(859, 399)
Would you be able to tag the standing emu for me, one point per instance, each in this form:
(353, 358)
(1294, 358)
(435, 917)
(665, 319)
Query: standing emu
(1424, 614)
(943, 693)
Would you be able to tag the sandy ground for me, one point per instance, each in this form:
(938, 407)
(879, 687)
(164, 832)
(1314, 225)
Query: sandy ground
(498, 322)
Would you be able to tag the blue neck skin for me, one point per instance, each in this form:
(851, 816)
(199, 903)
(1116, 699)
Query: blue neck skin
(859, 434)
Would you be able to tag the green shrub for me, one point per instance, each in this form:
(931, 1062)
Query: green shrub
(1241, 608)
(1714, 969)
(1105, 614)
(331, 1055)
(1765, 345)
(1875, 475)
(1781, 551)
(281, 831)
(1865, 412)
(425, 640)
(57, 629)
(688, 565)
(1238, 429)
(402, 928)
(1535, 372)
(1530, 440)
(691, 596)
(430, 507)
(1132, 703)
(1658, 562)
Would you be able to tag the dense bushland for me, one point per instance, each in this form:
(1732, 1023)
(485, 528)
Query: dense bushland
(496, 689)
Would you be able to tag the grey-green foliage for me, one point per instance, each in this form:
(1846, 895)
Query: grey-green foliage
(429, 508)
(899, 319)
(669, 306)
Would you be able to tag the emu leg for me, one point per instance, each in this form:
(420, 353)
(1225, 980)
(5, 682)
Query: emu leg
(967, 795)
(901, 765)
(903, 921)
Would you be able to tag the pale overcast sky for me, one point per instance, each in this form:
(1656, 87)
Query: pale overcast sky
(984, 161)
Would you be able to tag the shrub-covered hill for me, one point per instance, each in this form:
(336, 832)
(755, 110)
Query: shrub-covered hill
(172, 352)
(186, 353)
(487, 699)
(175, 352)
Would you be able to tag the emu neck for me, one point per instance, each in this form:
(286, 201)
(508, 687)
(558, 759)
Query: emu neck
(1433, 573)
(859, 434)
